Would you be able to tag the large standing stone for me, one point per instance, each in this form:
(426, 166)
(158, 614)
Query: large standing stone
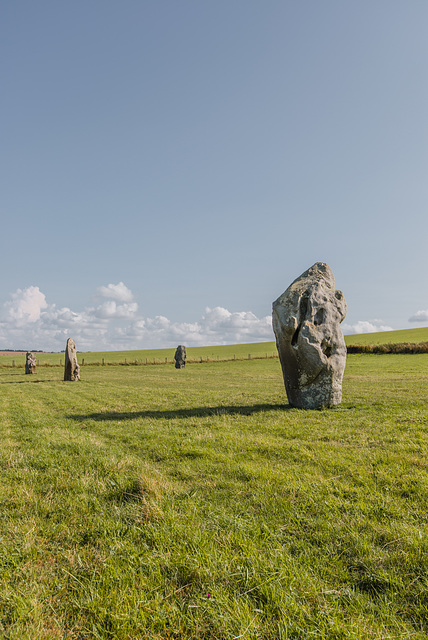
(72, 369)
(180, 357)
(30, 363)
(311, 347)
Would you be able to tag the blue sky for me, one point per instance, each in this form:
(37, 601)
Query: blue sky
(168, 168)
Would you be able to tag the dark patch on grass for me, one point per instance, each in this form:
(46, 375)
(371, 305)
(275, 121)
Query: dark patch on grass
(30, 381)
(67, 448)
(201, 412)
(368, 581)
(187, 576)
(132, 492)
(192, 455)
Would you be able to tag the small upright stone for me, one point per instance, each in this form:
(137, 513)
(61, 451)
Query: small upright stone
(306, 320)
(180, 357)
(72, 369)
(30, 363)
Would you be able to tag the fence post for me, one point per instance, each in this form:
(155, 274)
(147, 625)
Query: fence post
(83, 361)
(13, 363)
(103, 361)
(249, 356)
(146, 360)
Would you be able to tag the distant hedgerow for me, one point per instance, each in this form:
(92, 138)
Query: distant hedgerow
(401, 347)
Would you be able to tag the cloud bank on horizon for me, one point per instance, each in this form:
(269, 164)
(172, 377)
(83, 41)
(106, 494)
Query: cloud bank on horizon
(366, 326)
(420, 316)
(27, 320)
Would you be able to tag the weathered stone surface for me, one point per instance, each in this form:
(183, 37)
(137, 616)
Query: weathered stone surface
(30, 363)
(306, 321)
(180, 357)
(72, 369)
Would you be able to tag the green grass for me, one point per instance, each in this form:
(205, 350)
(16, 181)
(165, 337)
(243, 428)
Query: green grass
(150, 356)
(196, 354)
(389, 337)
(146, 502)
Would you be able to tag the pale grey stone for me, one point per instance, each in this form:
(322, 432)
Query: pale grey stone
(306, 320)
(72, 369)
(180, 357)
(30, 363)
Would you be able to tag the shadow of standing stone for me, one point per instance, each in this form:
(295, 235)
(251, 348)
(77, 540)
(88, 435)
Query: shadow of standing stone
(72, 369)
(30, 363)
(180, 357)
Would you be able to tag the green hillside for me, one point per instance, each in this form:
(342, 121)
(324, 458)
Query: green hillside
(389, 337)
(223, 352)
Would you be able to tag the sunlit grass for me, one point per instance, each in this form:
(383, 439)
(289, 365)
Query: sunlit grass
(204, 354)
(389, 337)
(146, 502)
(151, 356)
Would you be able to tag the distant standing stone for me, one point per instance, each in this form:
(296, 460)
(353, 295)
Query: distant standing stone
(30, 363)
(180, 357)
(306, 320)
(72, 369)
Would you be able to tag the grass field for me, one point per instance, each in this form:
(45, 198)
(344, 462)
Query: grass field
(389, 337)
(146, 502)
(196, 354)
(150, 356)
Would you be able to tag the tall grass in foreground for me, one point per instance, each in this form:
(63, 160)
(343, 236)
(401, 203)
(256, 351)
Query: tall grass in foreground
(145, 502)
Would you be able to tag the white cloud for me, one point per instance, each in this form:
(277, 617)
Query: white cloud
(365, 326)
(119, 292)
(28, 321)
(240, 326)
(216, 326)
(419, 316)
(110, 309)
(160, 323)
(25, 305)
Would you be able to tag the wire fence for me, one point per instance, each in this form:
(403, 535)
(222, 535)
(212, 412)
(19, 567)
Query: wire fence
(399, 348)
(127, 362)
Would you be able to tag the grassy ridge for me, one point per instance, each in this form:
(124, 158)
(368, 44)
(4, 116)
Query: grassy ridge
(389, 337)
(223, 352)
(153, 503)
(196, 354)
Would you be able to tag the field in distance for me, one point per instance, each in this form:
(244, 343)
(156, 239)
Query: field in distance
(194, 354)
(412, 336)
(223, 352)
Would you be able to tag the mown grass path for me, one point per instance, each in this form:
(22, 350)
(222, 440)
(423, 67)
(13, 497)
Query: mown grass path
(145, 502)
